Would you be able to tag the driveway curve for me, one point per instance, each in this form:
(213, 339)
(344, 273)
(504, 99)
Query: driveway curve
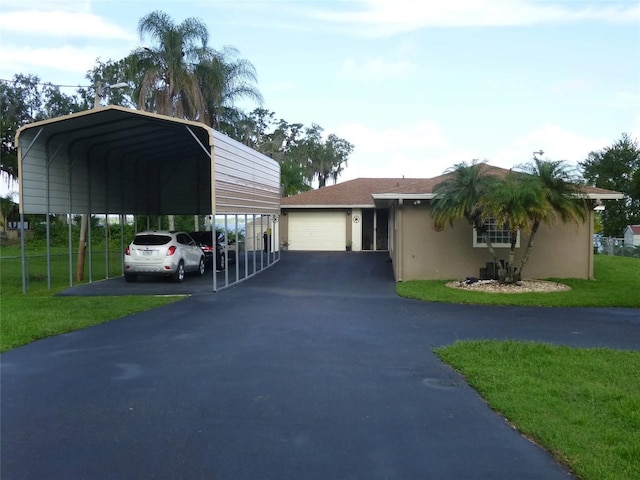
(313, 369)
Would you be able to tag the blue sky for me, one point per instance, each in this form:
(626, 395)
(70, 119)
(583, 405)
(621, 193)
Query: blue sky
(415, 85)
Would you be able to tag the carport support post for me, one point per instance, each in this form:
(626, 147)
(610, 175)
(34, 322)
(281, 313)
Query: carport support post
(246, 248)
(237, 262)
(23, 255)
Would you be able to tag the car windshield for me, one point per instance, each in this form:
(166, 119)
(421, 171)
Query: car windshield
(151, 239)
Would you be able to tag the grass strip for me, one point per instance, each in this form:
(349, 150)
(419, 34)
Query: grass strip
(583, 405)
(617, 284)
(27, 318)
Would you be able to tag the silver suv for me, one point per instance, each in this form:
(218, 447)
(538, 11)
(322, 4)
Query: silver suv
(163, 253)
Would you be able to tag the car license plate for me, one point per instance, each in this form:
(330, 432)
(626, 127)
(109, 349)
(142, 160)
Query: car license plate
(146, 252)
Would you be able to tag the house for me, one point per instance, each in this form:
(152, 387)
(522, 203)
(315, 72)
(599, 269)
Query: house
(394, 215)
(632, 235)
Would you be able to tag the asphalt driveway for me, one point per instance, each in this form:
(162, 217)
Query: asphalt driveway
(313, 369)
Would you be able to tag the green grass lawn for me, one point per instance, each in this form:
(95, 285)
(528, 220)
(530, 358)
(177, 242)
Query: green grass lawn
(24, 319)
(39, 314)
(616, 284)
(583, 405)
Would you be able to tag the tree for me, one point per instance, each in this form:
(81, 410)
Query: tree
(224, 80)
(540, 192)
(166, 70)
(458, 197)
(111, 73)
(23, 100)
(617, 167)
(563, 197)
(20, 103)
(514, 202)
(292, 178)
(325, 159)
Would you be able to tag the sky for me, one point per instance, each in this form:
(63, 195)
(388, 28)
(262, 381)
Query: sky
(416, 86)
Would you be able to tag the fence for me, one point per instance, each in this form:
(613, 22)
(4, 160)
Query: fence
(614, 246)
(62, 273)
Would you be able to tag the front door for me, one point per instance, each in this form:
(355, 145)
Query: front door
(375, 229)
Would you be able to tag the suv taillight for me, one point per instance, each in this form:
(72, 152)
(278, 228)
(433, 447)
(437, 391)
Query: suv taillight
(171, 250)
(127, 251)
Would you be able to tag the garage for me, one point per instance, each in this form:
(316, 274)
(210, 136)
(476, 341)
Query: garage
(317, 231)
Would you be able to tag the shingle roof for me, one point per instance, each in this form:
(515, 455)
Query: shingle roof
(359, 192)
(635, 229)
(350, 193)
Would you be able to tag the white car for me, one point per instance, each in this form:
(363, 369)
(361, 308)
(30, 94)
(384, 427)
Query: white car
(163, 253)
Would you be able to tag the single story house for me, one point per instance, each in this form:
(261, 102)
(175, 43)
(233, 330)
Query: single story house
(394, 214)
(632, 235)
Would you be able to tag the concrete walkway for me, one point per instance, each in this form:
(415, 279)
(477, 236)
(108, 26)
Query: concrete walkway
(313, 369)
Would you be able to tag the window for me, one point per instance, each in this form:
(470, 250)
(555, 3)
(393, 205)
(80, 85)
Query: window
(498, 237)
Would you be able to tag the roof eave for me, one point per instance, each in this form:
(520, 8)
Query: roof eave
(403, 196)
(605, 196)
(307, 206)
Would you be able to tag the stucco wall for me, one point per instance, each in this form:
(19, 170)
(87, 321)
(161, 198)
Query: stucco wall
(562, 250)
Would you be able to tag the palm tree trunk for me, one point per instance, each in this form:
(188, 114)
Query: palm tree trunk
(511, 272)
(492, 252)
(525, 256)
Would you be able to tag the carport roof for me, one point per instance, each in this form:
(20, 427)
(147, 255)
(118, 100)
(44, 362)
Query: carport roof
(110, 141)
(147, 135)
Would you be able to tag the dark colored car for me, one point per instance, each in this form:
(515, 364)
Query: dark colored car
(205, 241)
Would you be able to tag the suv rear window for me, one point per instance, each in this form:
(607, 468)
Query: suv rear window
(151, 239)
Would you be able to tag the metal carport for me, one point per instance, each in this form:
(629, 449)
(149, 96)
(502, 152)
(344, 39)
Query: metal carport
(115, 160)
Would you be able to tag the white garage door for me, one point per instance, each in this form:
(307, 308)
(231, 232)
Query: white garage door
(319, 231)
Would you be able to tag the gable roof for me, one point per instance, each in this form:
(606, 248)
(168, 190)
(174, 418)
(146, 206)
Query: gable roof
(367, 192)
(635, 229)
(352, 193)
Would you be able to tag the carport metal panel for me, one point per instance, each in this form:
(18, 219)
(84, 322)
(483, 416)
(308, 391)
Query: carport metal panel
(116, 160)
(119, 160)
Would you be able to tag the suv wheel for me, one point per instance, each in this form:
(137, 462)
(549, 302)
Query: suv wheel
(179, 275)
(201, 267)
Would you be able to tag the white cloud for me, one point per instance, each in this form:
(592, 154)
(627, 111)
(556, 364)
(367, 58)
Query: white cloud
(63, 59)
(405, 150)
(62, 5)
(381, 17)
(556, 142)
(423, 150)
(65, 24)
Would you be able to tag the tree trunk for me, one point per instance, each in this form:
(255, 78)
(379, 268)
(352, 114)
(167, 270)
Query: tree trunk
(84, 222)
(511, 272)
(492, 252)
(525, 256)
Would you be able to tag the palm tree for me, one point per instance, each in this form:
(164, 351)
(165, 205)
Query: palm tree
(458, 197)
(165, 72)
(541, 192)
(563, 196)
(224, 80)
(512, 203)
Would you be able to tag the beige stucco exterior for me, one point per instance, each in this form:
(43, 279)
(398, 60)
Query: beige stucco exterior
(421, 253)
